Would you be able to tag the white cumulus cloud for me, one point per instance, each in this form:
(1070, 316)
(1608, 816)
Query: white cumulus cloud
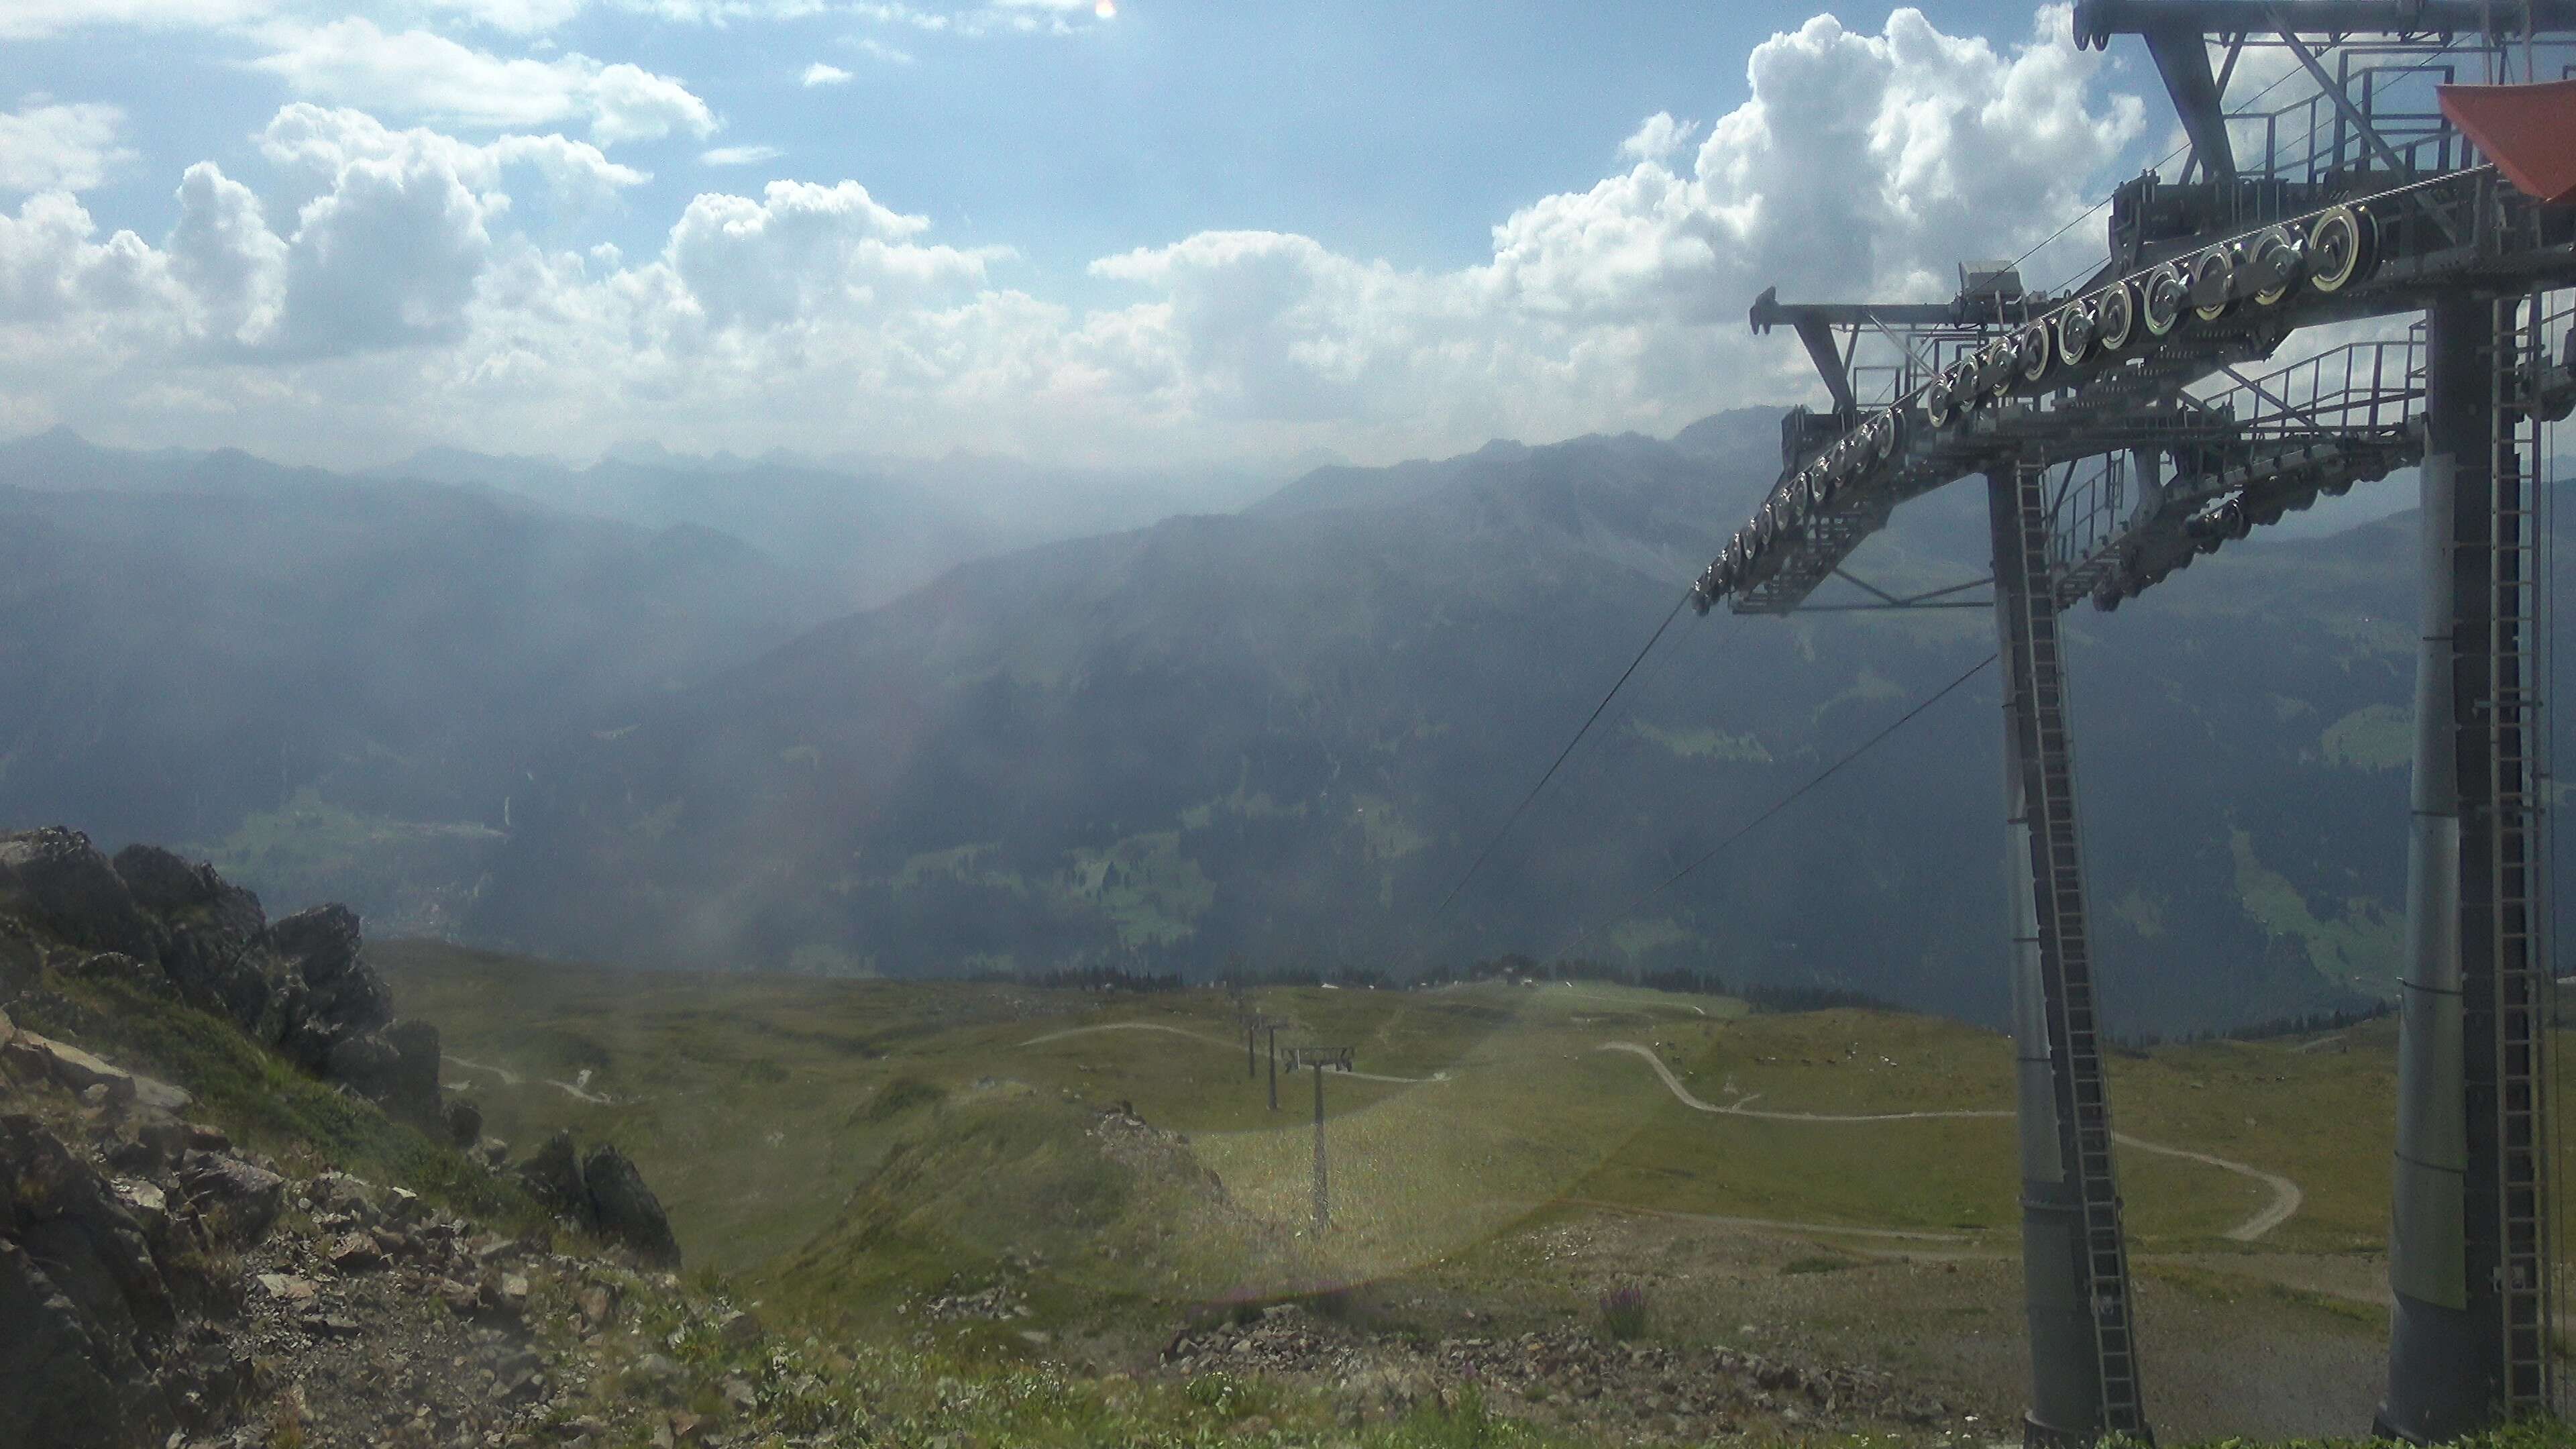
(819, 74)
(59, 147)
(380, 288)
(36, 19)
(739, 155)
(418, 74)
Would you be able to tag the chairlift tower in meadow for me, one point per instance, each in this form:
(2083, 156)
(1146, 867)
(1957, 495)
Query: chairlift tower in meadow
(1318, 1058)
(2422, 164)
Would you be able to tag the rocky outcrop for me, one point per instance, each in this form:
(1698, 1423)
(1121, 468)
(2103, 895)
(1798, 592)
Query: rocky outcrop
(553, 1177)
(154, 1282)
(54, 880)
(154, 921)
(332, 996)
(153, 1292)
(624, 1210)
(464, 1123)
(93, 1276)
(605, 1194)
(211, 936)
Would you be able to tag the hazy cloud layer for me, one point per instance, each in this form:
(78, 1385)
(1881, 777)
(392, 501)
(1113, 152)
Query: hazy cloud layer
(395, 295)
(59, 148)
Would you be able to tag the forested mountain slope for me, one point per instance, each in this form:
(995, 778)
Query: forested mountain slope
(1283, 734)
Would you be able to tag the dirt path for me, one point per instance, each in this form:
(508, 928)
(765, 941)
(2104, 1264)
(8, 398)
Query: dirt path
(2286, 1196)
(578, 1090)
(1214, 1042)
(1840, 1230)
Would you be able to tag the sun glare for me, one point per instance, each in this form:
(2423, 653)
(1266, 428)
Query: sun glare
(1106, 9)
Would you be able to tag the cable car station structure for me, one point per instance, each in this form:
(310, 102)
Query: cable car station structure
(2133, 422)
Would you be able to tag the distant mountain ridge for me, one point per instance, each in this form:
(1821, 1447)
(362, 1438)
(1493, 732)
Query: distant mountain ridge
(1283, 735)
(217, 650)
(1279, 734)
(864, 529)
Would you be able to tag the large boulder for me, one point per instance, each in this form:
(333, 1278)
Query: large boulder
(211, 933)
(54, 1384)
(624, 1210)
(22, 958)
(411, 1091)
(238, 1202)
(85, 1312)
(604, 1193)
(553, 1177)
(463, 1122)
(329, 995)
(321, 943)
(54, 878)
(396, 1068)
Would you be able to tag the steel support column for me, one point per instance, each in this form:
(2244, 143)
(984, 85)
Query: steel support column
(2467, 1258)
(1323, 1212)
(2084, 1381)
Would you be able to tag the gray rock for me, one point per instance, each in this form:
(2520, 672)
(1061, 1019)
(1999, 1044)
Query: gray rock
(624, 1210)
(366, 1063)
(412, 1088)
(54, 1392)
(77, 1070)
(22, 960)
(85, 1312)
(57, 880)
(553, 1177)
(239, 1202)
(464, 1122)
(125, 971)
(321, 943)
(327, 995)
(212, 932)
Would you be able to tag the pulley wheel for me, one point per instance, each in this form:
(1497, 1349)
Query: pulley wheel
(2213, 283)
(1996, 363)
(2115, 316)
(2075, 332)
(2038, 353)
(2278, 257)
(2167, 297)
(1882, 437)
(2342, 248)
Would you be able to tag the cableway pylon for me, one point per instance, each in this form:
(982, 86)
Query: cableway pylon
(2136, 420)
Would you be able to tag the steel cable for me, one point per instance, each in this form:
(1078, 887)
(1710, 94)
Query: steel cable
(1589, 720)
(1783, 803)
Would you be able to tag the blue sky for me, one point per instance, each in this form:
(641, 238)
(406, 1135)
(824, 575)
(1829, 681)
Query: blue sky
(1395, 131)
(1174, 232)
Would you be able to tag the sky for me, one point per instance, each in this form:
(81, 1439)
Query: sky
(1127, 232)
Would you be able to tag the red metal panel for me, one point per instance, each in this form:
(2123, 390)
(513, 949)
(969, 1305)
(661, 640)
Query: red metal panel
(2528, 131)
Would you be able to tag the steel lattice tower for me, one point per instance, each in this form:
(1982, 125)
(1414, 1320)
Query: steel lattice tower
(2119, 438)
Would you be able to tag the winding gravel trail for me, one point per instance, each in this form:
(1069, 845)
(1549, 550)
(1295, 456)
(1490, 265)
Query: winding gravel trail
(2286, 1196)
(577, 1090)
(1217, 1042)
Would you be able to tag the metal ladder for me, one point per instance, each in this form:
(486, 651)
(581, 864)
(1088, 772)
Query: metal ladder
(2084, 1114)
(2523, 982)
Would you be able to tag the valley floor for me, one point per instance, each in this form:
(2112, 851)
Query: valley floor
(1817, 1211)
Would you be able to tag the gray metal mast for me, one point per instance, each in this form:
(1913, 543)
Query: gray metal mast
(2075, 1268)
(1320, 1057)
(2469, 1259)
(2364, 198)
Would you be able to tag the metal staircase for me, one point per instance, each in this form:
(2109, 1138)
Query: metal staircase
(2026, 591)
(2517, 1005)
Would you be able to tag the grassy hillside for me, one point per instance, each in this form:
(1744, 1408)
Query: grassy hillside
(863, 1145)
